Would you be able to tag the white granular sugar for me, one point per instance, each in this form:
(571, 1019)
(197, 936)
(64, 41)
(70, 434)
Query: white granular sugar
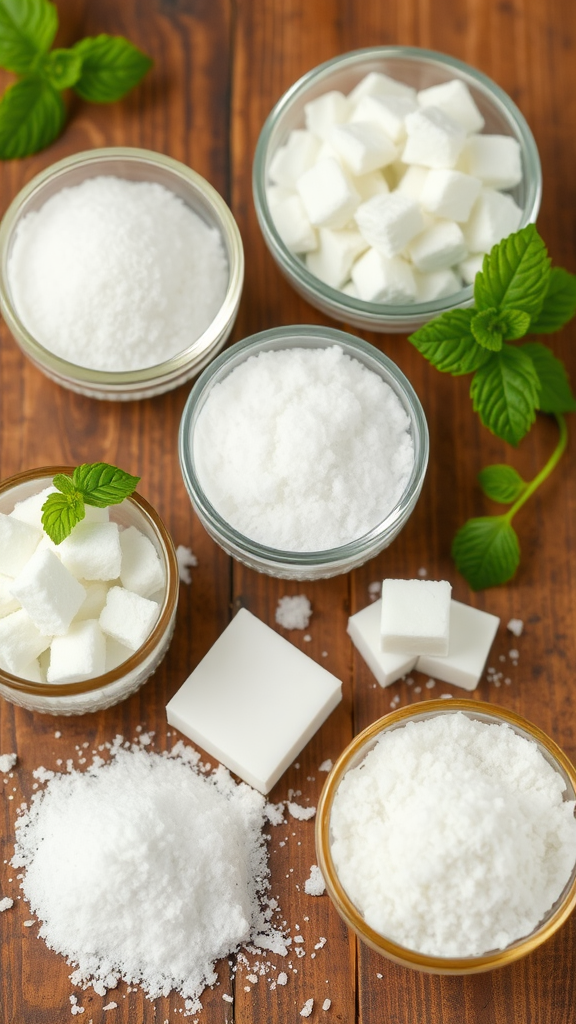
(7, 762)
(452, 837)
(293, 612)
(117, 275)
(303, 449)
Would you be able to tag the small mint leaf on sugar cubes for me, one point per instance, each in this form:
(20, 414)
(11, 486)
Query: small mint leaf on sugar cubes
(505, 394)
(556, 394)
(501, 483)
(515, 275)
(111, 66)
(449, 344)
(27, 29)
(60, 514)
(102, 484)
(486, 551)
(559, 304)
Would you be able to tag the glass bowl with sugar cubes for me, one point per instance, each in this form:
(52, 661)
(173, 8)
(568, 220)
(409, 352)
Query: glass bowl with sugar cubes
(446, 836)
(83, 623)
(383, 176)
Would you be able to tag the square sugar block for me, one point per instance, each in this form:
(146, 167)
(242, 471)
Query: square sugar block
(254, 701)
(141, 569)
(472, 633)
(364, 631)
(50, 594)
(454, 99)
(434, 139)
(18, 542)
(328, 195)
(92, 551)
(389, 222)
(20, 642)
(415, 616)
(127, 617)
(79, 655)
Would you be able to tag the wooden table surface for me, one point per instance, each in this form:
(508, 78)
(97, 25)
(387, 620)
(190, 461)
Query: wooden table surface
(219, 68)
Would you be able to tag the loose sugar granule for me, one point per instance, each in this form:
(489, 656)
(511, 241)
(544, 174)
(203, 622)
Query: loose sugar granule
(116, 275)
(144, 869)
(303, 449)
(326, 1004)
(186, 561)
(314, 885)
(293, 612)
(452, 837)
(6, 904)
(326, 765)
(299, 812)
(516, 626)
(307, 1008)
(7, 762)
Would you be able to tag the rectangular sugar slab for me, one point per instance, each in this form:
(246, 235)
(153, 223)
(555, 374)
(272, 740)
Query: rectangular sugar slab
(364, 631)
(416, 616)
(472, 633)
(254, 701)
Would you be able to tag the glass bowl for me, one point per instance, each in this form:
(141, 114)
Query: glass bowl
(108, 689)
(354, 754)
(200, 196)
(420, 69)
(304, 565)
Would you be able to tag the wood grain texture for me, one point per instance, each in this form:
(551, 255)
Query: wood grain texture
(219, 68)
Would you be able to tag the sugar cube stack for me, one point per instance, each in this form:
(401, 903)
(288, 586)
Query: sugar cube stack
(415, 616)
(386, 188)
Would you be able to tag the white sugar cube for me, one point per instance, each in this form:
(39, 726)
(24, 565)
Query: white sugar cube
(32, 672)
(96, 592)
(379, 278)
(363, 146)
(389, 222)
(127, 617)
(92, 514)
(141, 570)
(30, 509)
(390, 112)
(293, 226)
(276, 194)
(471, 266)
(8, 602)
(292, 160)
(412, 183)
(440, 246)
(335, 256)
(495, 159)
(329, 196)
(48, 592)
(436, 285)
(434, 140)
(373, 184)
(364, 631)
(254, 701)
(377, 84)
(494, 216)
(92, 551)
(81, 654)
(450, 194)
(472, 633)
(20, 642)
(116, 654)
(350, 289)
(415, 616)
(454, 99)
(18, 542)
(327, 110)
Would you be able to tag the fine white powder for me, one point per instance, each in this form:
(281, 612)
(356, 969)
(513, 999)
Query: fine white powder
(116, 275)
(303, 449)
(452, 837)
(293, 612)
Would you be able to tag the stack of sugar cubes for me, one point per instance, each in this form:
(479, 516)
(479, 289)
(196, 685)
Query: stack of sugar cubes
(392, 195)
(73, 611)
(416, 625)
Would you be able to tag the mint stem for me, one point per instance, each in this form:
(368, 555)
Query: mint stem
(545, 471)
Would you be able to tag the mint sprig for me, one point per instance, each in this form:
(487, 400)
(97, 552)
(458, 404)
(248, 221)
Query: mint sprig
(98, 484)
(100, 69)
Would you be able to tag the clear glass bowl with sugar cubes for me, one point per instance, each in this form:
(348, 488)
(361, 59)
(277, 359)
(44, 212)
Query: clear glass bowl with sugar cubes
(127, 299)
(541, 748)
(382, 176)
(123, 660)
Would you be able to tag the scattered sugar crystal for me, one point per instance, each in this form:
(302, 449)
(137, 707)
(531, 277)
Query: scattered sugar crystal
(227, 998)
(516, 626)
(28, 924)
(307, 1008)
(110, 1006)
(299, 812)
(282, 978)
(314, 885)
(514, 654)
(375, 590)
(326, 1004)
(326, 765)
(7, 761)
(293, 612)
(186, 561)
(5, 904)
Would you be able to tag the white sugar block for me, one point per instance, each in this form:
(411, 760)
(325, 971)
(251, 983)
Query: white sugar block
(18, 542)
(276, 194)
(379, 278)
(96, 515)
(335, 256)
(390, 112)
(81, 654)
(495, 159)
(377, 84)
(350, 289)
(96, 593)
(472, 633)
(329, 196)
(373, 184)
(471, 266)
(455, 100)
(92, 551)
(254, 701)
(293, 226)
(48, 592)
(327, 110)
(8, 602)
(434, 140)
(30, 509)
(116, 654)
(127, 617)
(494, 216)
(363, 146)
(415, 616)
(412, 183)
(32, 672)
(440, 246)
(141, 570)
(450, 194)
(364, 631)
(437, 285)
(20, 642)
(293, 159)
(389, 222)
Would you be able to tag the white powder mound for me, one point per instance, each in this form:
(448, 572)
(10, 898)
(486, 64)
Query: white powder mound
(452, 837)
(314, 885)
(294, 612)
(186, 560)
(303, 449)
(117, 275)
(7, 762)
(145, 869)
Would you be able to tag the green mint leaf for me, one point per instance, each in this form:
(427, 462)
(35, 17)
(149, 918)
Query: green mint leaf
(448, 343)
(60, 514)
(488, 329)
(555, 393)
(32, 115)
(515, 274)
(101, 484)
(65, 484)
(505, 393)
(486, 551)
(27, 29)
(62, 68)
(560, 302)
(111, 66)
(501, 483)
